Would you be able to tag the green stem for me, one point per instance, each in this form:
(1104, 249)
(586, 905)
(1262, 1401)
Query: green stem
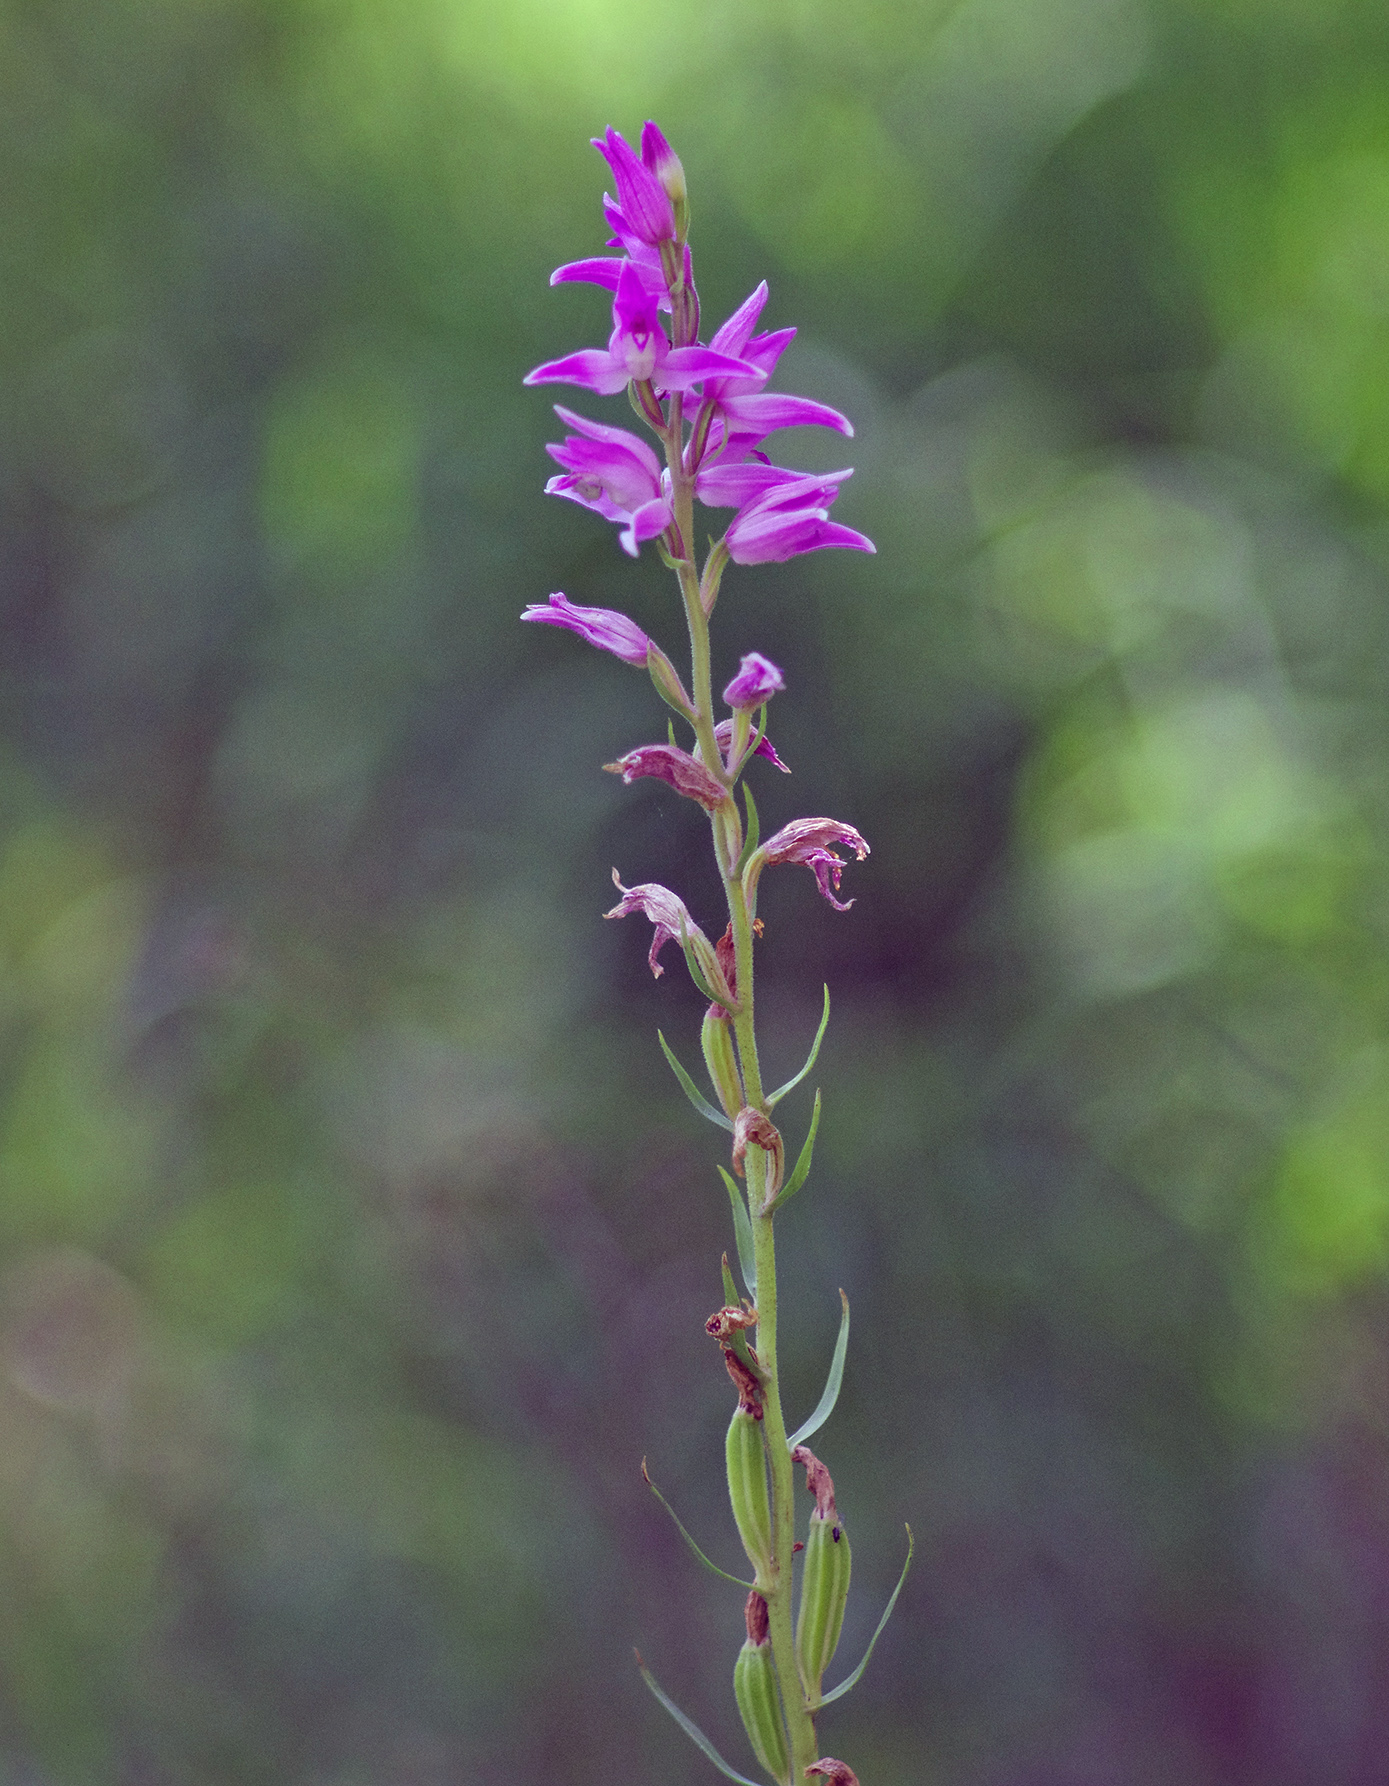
(800, 1725)
(727, 840)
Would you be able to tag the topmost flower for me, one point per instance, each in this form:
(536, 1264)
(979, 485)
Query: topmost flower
(661, 159)
(643, 200)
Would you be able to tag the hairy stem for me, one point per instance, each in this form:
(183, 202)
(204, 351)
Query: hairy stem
(800, 1726)
(727, 839)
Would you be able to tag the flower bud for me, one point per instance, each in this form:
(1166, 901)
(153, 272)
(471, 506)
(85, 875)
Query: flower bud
(716, 1039)
(677, 767)
(758, 679)
(755, 1689)
(644, 200)
(747, 1486)
(661, 160)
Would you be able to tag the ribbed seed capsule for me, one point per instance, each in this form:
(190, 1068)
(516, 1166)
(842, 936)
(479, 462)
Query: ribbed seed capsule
(747, 1486)
(716, 1039)
(824, 1591)
(755, 1689)
(824, 1578)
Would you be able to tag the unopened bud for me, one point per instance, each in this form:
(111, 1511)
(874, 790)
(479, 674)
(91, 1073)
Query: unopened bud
(660, 159)
(758, 679)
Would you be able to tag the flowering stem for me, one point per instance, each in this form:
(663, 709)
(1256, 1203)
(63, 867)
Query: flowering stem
(800, 1726)
(727, 839)
(780, 514)
(702, 690)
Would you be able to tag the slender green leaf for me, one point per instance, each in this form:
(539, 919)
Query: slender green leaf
(853, 1679)
(730, 1289)
(692, 1730)
(670, 724)
(691, 1090)
(742, 1232)
(713, 1568)
(825, 1406)
(754, 833)
(802, 1168)
(791, 1084)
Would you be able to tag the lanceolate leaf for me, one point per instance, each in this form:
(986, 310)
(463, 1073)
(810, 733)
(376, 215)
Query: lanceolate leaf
(791, 1084)
(692, 1730)
(691, 1090)
(825, 1406)
(742, 1232)
(713, 1568)
(853, 1679)
(802, 1168)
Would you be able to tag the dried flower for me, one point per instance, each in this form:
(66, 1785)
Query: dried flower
(807, 841)
(819, 1483)
(671, 917)
(834, 1773)
(673, 765)
(754, 1128)
(723, 737)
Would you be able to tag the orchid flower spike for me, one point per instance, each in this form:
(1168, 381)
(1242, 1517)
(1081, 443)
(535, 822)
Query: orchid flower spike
(709, 412)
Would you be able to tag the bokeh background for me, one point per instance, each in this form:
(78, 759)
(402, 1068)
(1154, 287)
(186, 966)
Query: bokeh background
(355, 1242)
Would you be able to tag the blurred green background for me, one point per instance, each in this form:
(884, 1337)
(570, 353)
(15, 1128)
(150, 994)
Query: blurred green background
(355, 1242)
